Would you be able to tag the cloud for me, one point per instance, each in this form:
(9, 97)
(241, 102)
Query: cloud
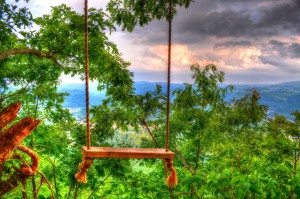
(234, 43)
(156, 32)
(282, 18)
(294, 50)
(284, 65)
(38, 8)
(253, 41)
(225, 24)
(155, 57)
(284, 49)
(227, 58)
(267, 20)
(227, 19)
(254, 77)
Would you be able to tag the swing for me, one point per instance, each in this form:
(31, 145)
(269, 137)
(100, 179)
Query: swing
(89, 152)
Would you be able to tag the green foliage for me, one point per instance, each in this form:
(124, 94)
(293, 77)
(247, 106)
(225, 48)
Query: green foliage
(12, 18)
(129, 13)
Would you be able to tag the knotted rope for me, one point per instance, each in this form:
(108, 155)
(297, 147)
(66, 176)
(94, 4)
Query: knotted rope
(83, 168)
(172, 177)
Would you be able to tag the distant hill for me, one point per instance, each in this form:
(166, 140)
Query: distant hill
(281, 98)
(142, 87)
(76, 98)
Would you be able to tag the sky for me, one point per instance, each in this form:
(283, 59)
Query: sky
(252, 41)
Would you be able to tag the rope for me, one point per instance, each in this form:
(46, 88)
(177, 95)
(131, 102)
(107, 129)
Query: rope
(87, 162)
(87, 101)
(83, 168)
(172, 177)
(169, 77)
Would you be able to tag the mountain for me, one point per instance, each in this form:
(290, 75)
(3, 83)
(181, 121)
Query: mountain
(76, 98)
(142, 87)
(281, 98)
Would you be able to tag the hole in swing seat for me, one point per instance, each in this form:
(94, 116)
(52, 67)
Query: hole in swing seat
(110, 152)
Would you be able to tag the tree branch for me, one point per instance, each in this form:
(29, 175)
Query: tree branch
(22, 90)
(183, 193)
(44, 179)
(150, 133)
(184, 161)
(97, 188)
(32, 155)
(15, 51)
(197, 157)
(238, 159)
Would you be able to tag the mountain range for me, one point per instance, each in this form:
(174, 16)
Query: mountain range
(282, 98)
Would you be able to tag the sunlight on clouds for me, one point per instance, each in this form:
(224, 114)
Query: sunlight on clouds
(155, 58)
(181, 55)
(227, 59)
(234, 58)
(250, 56)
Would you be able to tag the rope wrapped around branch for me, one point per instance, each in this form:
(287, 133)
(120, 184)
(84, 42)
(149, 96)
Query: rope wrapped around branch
(83, 168)
(172, 177)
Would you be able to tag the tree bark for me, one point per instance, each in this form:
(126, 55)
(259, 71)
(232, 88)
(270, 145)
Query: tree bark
(14, 135)
(10, 139)
(9, 113)
(15, 51)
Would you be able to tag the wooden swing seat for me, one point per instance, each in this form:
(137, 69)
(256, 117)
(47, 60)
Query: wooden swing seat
(110, 152)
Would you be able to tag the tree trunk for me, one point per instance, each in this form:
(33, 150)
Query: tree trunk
(9, 113)
(10, 138)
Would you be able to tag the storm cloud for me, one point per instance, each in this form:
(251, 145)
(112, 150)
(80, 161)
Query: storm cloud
(227, 19)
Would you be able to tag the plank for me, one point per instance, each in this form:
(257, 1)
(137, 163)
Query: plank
(110, 152)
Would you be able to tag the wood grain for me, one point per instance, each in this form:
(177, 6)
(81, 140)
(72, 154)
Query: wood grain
(109, 152)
